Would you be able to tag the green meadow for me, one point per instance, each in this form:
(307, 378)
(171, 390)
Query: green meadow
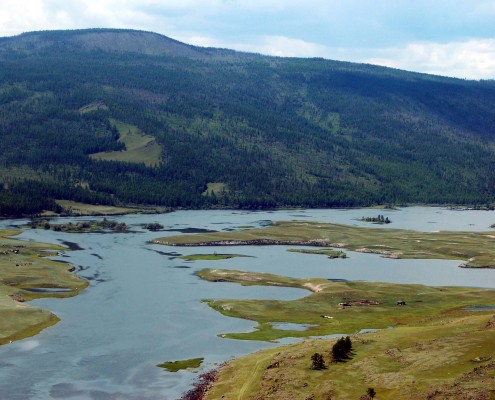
(23, 265)
(474, 249)
(373, 305)
(429, 348)
(140, 148)
(210, 257)
(447, 357)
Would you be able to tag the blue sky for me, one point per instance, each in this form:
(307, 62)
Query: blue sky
(445, 37)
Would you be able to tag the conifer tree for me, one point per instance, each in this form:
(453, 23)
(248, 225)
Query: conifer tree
(317, 361)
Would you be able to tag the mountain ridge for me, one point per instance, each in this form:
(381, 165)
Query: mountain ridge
(105, 39)
(159, 44)
(270, 131)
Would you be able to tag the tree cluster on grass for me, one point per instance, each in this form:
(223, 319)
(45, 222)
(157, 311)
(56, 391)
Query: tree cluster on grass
(342, 350)
(317, 361)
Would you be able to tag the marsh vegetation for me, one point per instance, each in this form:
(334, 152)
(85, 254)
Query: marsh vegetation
(174, 366)
(475, 249)
(80, 227)
(24, 265)
(432, 333)
(371, 305)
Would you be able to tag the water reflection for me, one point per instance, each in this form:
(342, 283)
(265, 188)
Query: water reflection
(144, 305)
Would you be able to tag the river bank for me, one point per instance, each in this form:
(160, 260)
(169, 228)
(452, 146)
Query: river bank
(476, 249)
(437, 348)
(23, 267)
(144, 305)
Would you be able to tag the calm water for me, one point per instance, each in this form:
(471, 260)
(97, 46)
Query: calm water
(143, 306)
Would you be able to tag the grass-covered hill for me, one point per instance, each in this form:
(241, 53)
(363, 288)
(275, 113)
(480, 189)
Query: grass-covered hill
(128, 117)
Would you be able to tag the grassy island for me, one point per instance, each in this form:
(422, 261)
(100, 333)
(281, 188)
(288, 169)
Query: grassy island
(24, 267)
(377, 220)
(210, 257)
(81, 227)
(175, 366)
(330, 253)
(475, 249)
(435, 350)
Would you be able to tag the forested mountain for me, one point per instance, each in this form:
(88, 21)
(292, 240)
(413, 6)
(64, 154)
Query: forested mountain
(80, 111)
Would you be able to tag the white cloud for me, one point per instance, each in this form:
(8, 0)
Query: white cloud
(376, 32)
(471, 59)
(286, 47)
(16, 16)
(31, 15)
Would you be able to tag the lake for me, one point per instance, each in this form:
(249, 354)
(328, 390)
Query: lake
(143, 305)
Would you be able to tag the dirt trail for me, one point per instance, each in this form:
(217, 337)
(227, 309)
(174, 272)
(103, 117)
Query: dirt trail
(247, 382)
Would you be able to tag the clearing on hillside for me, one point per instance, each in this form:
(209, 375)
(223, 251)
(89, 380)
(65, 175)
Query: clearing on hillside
(140, 148)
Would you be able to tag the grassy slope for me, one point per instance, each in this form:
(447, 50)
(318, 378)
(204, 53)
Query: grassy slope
(76, 208)
(431, 351)
(140, 148)
(435, 360)
(28, 269)
(215, 188)
(477, 248)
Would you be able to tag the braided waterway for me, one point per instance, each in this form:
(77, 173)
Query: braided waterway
(143, 305)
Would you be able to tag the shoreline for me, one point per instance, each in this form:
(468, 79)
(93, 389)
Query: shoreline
(415, 345)
(92, 210)
(473, 249)
(24, 266)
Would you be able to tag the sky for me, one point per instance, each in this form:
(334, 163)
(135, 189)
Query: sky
(444, 37)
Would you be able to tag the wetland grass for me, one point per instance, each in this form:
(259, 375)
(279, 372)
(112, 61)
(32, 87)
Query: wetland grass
(436, 348)
(23, 265)
(374, 305)
(210, 257)
(475, 249)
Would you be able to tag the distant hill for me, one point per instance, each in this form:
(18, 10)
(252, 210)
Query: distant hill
(267, 131)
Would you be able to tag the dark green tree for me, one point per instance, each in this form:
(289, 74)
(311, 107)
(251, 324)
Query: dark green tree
(341, 350)
(317, 361)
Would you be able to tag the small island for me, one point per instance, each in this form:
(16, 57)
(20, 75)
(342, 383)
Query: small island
(473, 249)
(330, 253)
(153, 227)
(380, 219)
(81, 227)
(210, 257)
(175, 366)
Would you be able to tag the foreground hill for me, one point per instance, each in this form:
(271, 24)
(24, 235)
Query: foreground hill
(129, 117)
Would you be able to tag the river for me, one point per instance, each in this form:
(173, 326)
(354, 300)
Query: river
(143, 305)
